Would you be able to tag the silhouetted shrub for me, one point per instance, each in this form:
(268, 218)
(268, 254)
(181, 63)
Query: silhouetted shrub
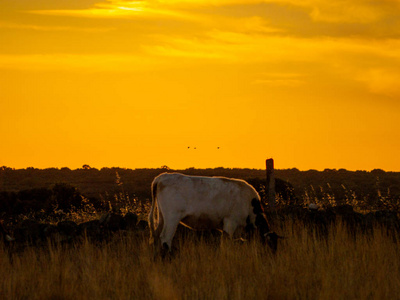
(66, 197)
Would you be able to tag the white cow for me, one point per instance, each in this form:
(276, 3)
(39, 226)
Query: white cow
(205, 203)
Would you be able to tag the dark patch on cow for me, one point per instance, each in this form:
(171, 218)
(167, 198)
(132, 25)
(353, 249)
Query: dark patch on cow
(249, 228)
(262, 224)
(257, 208)
(201, 222)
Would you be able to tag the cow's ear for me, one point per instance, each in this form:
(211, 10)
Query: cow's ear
(257, 209)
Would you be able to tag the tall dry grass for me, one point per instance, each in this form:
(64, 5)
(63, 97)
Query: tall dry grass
(337, 266)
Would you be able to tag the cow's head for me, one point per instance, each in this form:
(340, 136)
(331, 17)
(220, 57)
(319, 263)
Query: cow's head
(271, 238)
(268, 237)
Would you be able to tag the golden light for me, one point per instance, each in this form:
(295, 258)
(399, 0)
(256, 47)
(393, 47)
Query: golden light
(311, 83)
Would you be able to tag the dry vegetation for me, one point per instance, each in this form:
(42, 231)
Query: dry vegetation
(337, 266)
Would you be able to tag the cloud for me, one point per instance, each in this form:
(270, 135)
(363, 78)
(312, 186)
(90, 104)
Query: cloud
(253, 47)
(345, 12)
(225, 14)
(185, 50)
(81, 62)
(247, 25)
(224, 38)
(356, 11)
(46, 4)
(382, 82)
(317, 60)
(10, 25)
(116, 9)
(280, 80)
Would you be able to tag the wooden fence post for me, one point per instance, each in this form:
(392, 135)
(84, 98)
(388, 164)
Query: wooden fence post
(270, 186)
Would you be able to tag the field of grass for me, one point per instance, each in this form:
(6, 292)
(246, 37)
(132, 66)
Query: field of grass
(337, 266)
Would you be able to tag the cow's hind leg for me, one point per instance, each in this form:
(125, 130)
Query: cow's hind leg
(155, 236)
(157, 232)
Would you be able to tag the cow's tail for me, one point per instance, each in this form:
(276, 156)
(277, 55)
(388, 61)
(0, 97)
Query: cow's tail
(153, 206)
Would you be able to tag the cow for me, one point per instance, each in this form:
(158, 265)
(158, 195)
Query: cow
(205, 203)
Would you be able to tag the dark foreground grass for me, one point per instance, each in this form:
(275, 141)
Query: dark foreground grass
(338, 266)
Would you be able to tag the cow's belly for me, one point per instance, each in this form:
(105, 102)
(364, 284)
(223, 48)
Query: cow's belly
(202, 222)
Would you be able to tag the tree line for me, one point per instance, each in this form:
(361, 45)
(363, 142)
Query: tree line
(20, 187)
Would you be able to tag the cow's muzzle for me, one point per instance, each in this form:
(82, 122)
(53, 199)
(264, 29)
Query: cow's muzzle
(271, 238)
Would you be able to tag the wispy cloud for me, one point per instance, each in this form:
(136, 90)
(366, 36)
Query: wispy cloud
(81, 62)
(10, 25)
(225, 37)
(346, 12)
(280, 79)
(382, 81)
(356, 11)
(117, 9)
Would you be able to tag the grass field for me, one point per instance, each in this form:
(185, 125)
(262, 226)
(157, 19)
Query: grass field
(338, 266)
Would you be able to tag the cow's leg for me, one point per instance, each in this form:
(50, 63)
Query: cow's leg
(168, 232)
(229, 227)
(228, 230)
(250, 229)
(157, 232)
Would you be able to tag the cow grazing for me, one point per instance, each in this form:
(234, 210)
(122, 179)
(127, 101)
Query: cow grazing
(205, 203)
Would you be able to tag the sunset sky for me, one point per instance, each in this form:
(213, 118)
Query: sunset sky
(314, 84)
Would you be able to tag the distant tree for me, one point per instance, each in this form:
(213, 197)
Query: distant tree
(5, 168)
(66, 196)
(166, 168)
(86, 167)
(377, 172)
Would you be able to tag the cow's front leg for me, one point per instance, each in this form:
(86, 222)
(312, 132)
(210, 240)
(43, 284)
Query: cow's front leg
(228, 231)
(229, 227)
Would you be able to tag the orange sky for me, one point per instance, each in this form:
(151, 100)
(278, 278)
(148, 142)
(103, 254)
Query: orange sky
(312, 83)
